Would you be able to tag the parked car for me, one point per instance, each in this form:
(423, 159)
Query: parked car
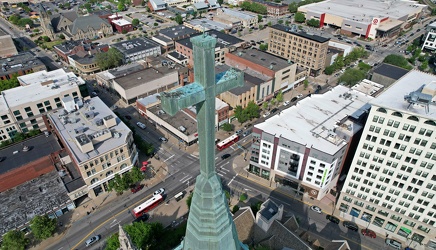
(266, 114)
(92, 240)
(136, 188)
(294, 99)
(286, 103)
(239, 131)
(159, 191)
(225, 156)
(94, 94)
(351, 225)
(299, 96)
(368, 232)
(332, 219)
(163, 139)
(316, 209)
(393, 243)
(274, 110)
(246, 133)
(141, 125)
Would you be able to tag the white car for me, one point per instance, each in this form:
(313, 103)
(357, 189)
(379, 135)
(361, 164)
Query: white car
(92, 240)
(159, 191)
(163, 139)
(286, 103)
(299, 96)
(316, 209)
(266, 114)
(141, 125)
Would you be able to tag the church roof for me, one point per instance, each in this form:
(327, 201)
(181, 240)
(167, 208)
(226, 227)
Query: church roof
(83, 22)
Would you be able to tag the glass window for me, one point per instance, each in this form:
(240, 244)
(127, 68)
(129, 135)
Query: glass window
(391, 226)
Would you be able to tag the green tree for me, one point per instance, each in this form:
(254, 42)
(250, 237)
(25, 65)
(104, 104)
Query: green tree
(15, 240)
(145, 235)
(87, 6)
(265, 105)
(397, 60)
(9, 84)
(194, 14)
(42, 226)
(46, 39)
(280, 21)
(423, 66)
(118, 183)
(254, 7)
(121, 6)
(189, 200)
(330, 69)
(135, 22)
(259, 18)
(293, 7)
(112, 243)
(111, 58)
(179, 19)
(313, 22)
(155, 24)
(269, 24)
(243, 197)
(25, 21)
(235, 209)
(227, 127)
(263, 47)
(305, 83)
(279, 96)
(273, 102)
(252, 110)
(61, 36)
(136, 175)
(299, 17)
(352, 77)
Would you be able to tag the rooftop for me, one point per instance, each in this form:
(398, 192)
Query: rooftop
(368, 87)
(270, 209)
(21, 62)
(177, 31)
(223, 40)
(391, 71)
(264, 59)
(209, 24)
(237, 14)
(249, 80)
(41, 85)
(364, 11)
(311, 121)
(145, 76)
(394, 96)
(121, 22)
(295, 31)
(90, 131)
(135, 45)
(67, 46)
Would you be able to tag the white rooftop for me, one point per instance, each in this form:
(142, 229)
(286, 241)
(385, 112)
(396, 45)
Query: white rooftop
(312, 119)
(364, 11)
(121, 22)
(393, 97)
(88, 126)
(237, 14)
(368, 87)
(41, 86)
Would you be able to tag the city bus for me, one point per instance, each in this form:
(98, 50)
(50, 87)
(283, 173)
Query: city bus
(227, 142)
(147, 205)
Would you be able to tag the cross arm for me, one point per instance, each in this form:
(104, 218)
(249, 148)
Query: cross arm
(180, 98)
(228, 80)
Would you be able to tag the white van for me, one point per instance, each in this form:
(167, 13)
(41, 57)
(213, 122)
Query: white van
(393, 243)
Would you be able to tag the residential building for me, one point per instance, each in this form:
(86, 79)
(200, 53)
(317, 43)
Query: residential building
(236, 19)
(137, 49)
(365, 18)
(429, 37)
(21, 64)
(8, 47)
(72, 26)
(79, 47)
(273, 9)
(122, 26)
(98, 143)
(390, 186)
(224, 44)
(387, 74)
(22, 108)
(306, 50)
(281, 74)
(305, 146)
(168, 36)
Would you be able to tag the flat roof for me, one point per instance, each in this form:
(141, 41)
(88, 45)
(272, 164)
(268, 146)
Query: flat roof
(222, 39)
(20, 62)
(88, 126)
(312, 119)
(135, 45)
(181, 118)
(389, 24)
(368, 87)
(363, 11)
(393, 96)
(297, 32)
(40, 146)
(144, 76)
(41, 85)
(391, 71)
(262, 58)
(121, 22)
(237, 14)
(209, 24)
(177, 31)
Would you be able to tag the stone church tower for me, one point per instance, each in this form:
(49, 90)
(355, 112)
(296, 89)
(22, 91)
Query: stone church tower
(125, 242)
(46, 26)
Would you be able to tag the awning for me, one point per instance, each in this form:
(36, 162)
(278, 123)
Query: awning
(406, 230)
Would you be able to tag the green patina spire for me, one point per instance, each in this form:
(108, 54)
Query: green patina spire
(210, 225)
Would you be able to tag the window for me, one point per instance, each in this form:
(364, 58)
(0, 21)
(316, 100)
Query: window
(391, 226)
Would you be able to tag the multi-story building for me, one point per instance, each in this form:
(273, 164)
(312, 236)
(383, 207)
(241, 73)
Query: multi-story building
(22, 108)
(390, 187)
(79, 47)
(273, 9)
(307, 50)
(429, 38)
(8, 47)
(236, 18)
(223, 45)
(98, 143)
(305, 146)
(205, 24)
(21, 64)
(168, 36)
(105, 78)
(137, 49)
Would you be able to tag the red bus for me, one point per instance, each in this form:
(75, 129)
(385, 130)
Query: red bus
(227, 142)
(147, 205)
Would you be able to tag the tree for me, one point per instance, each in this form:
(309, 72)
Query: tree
(252, 110)
(46, 39)
(9, 84)
(235, 209)
(220, 2)
(259, 18)
(111, 58)
(265, 105)
(330, 69)
(279, 96)
(299, 17)
(352, 77)
(293, 7)
(145, 235)
(136, 175)
(254, 7)
(397, 60)
(194, 14)
(113, 243)
(305, 83)
(280, 21)
(263, 47)
(42, 226)
(135, 22)
(25, 21)
(179, 19)
(313, 22)
(243, 197)
(14, 240)
(118, 183)
(189, 200)
(61, 36)
(424, 66)
(121, 6)
(227, 127)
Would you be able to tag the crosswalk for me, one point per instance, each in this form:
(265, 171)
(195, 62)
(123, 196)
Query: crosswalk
(222, 171)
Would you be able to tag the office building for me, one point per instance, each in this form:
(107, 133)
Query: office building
(137, 49)
(390, 186)
(307, 50)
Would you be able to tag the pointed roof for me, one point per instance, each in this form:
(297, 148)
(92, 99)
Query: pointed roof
(84, 22)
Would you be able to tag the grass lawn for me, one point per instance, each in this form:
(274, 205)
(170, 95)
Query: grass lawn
(50, 45)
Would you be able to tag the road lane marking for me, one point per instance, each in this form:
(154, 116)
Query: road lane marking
(187, 180)
(232, 180)
(220, 174)
(169, 158)
(183, 179)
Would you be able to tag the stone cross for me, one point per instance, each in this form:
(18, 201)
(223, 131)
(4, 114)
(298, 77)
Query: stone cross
(210, 225)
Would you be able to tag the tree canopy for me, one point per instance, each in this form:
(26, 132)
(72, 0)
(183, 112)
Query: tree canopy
(145, 235)
(293, 6)
(397, 60)
(352, 76)
(135, 21)
(10, 83)
(178, 19)
(42, 226)
(110, 59)
(14, 240)
(313, 22)
(254, 7)
(299, 17)
(250, 112)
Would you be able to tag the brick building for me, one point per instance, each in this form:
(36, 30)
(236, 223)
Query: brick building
(79, 48)
(273, 9)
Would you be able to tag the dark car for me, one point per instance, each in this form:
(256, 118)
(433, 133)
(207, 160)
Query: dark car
(294, 99)
(369, 233)
(351, 225)
(332, 219)
(136, 188)
(225, 156)
(143, 217)
(274, 110)
(128, 117)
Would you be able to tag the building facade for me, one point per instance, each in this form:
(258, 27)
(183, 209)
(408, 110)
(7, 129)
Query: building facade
(308, 51)
(391, 185)
(429, 38)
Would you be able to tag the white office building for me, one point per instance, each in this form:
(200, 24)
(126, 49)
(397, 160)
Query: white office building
(391, 183)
